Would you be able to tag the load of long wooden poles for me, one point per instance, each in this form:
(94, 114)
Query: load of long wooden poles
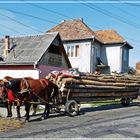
(91, 85)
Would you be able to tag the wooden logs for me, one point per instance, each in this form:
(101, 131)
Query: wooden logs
(90, 85)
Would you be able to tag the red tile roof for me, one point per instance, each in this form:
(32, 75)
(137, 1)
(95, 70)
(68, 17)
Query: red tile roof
(73, 30)
(77, 29)
(109, 36)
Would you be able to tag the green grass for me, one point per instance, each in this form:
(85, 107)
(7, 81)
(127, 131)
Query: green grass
(105, 103)
(108, 102)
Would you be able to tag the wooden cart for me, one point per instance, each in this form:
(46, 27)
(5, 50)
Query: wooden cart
(72, 97)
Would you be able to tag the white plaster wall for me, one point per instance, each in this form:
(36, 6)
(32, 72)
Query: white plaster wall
(113, 54)
(19, 73)
(83, 60)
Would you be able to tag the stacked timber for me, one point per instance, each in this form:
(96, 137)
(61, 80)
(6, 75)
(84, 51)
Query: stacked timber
(91, 85)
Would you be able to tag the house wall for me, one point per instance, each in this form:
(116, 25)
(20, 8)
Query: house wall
(45, 70)
(113, 57)
(82, 61)
(40, 71)
(19, 73)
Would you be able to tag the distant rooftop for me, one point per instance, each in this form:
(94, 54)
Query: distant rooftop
(76, 29)
(73, 30)
(109, 36)
(27, 49)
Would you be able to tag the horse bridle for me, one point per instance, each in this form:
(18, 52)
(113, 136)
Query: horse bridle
(27, 89)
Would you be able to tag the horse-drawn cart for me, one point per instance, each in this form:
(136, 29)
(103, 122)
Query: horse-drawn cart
(73, 89)
(76, 89)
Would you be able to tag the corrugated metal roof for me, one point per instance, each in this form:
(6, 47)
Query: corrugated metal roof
(27, 49)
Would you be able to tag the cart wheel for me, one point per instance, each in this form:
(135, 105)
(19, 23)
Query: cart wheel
(71, 107)
(125, 101)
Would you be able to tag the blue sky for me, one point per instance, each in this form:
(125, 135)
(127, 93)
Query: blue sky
(121, 15)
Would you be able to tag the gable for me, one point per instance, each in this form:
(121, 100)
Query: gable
(28, 49)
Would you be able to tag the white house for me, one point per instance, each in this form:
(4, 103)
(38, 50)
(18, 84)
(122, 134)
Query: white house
(88, 49)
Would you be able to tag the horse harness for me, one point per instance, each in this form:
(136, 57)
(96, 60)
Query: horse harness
(28, 90)
(15, 86)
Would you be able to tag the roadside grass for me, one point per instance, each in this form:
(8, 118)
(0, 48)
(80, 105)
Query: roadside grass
(7, 124)
(103, 103)
(107, 102)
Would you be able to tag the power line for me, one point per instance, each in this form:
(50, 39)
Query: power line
(132, 4)
(124, 11)
(101, 11)
(54, 12)
(136, 41)
(42, 19)
(38, 18)
(29, 15)
(9, 28)
(112, 15)
(27, 26)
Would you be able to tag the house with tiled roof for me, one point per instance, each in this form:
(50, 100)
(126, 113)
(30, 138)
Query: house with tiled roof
(88, 50)
(32, 56)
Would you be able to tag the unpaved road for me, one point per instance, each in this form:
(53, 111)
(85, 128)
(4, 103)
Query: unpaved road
(101, 122)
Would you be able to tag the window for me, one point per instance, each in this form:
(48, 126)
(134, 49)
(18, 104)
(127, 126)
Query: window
(72, 51)
(68, 51)
(76, 50)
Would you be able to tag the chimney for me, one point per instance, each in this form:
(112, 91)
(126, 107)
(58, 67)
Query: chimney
(6, 46)
(63, 21)
(81, 19)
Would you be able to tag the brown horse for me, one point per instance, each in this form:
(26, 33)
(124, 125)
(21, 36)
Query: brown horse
(27, 90)
(17, 102)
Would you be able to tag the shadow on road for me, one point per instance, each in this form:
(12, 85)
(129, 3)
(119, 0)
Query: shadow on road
(106, 107)
(84, 110)
(38, 117)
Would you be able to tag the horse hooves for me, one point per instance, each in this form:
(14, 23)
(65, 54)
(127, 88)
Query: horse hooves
(26, 121)
(34, 113)
(18, 118)
(44, 116)
(9, 115)
(25, 115)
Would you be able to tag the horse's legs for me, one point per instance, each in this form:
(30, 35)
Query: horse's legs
(27, 109)
(18, 112)
(34, 109)
(9, 108)
(18, 109)
(46, 112)
(35, 105)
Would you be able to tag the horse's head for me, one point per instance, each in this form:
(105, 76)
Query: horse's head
(7, 78)
(3, 92)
